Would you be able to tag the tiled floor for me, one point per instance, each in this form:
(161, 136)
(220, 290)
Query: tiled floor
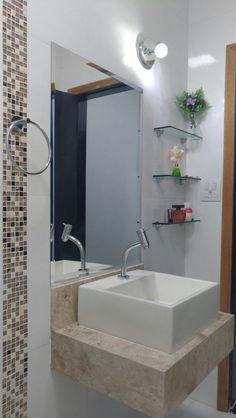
(192, 409)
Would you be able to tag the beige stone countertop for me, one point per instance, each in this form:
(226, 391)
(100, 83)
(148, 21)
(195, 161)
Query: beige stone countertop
(145, 379)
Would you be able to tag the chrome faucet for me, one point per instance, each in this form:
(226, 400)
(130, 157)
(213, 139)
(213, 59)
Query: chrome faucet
(67, 237)
(143, 242)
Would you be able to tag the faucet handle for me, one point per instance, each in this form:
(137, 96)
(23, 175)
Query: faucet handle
(66, 231)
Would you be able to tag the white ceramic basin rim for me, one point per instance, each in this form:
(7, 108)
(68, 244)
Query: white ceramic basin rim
(162, 288)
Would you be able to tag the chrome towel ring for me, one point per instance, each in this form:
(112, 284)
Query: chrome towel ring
(16, 125)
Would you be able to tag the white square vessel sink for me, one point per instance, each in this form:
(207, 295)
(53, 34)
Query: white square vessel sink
(158, 310)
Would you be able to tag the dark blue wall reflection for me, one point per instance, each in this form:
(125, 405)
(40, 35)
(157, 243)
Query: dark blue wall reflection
(69, 171)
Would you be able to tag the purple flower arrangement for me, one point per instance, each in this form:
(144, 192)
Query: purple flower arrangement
(192, 103)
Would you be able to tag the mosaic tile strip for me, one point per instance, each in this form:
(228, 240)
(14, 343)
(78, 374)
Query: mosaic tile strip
(15, 320)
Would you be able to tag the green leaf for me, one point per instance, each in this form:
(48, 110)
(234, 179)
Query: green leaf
(200, 93)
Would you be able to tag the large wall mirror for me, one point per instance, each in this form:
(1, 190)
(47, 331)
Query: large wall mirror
(96, 167)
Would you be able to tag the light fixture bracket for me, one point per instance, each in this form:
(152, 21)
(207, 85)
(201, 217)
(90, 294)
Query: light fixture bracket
(145, 51)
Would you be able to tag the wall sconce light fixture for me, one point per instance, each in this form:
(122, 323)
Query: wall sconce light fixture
(148, 51)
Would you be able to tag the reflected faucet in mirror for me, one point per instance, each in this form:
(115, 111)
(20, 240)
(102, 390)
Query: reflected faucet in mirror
(67, 237)
(143, 242)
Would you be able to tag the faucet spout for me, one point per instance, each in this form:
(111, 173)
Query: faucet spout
(81, 250)
(143, 242)
(125, 254)
(67, 237)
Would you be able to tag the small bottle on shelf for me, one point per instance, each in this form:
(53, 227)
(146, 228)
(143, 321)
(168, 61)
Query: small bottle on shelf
(188, 211)
(178, 213)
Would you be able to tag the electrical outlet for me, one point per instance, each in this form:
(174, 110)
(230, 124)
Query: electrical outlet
(210, 191)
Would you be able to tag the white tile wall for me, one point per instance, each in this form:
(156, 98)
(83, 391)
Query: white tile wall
(211, 28)
(206, 393)
(39, 56)
(39, 87)
(38, 271)
(193, 409)
(51, 394)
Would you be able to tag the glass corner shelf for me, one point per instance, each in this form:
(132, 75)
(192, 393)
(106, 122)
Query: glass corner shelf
(181, 179)
(176, 132)
(175, 223)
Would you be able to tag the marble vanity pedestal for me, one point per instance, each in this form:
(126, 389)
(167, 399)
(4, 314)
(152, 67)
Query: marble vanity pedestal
(145, 379)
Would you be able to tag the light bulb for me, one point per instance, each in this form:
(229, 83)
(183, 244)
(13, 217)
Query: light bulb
(161, 50)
